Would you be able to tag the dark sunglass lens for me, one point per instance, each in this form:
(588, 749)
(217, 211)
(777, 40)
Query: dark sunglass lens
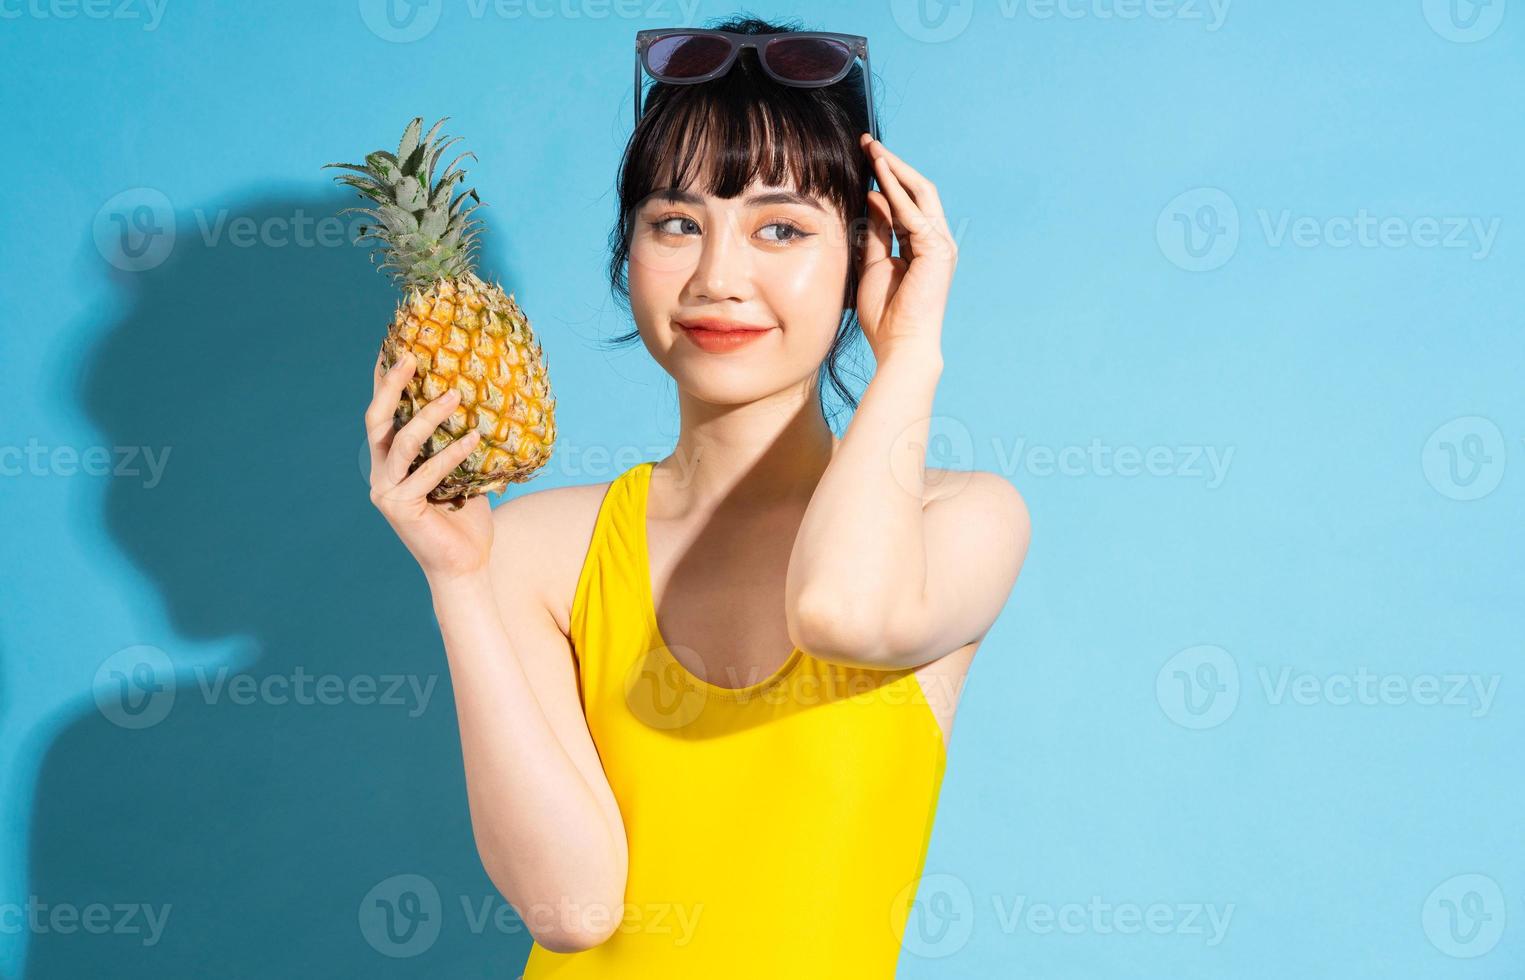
(686, 55)
(807, 59)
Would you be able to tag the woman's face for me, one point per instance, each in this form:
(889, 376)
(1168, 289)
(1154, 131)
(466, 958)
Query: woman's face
(769, 259)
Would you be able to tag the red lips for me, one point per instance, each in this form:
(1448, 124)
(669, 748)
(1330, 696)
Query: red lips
(717, 325)
(716, 335)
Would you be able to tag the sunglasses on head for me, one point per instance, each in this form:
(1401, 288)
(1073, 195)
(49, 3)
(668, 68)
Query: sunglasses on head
(806, 59)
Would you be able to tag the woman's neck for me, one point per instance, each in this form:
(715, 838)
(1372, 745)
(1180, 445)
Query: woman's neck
(767, 452)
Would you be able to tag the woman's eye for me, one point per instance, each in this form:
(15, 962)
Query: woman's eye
(675, 225)
(782, 231)
(787, 232)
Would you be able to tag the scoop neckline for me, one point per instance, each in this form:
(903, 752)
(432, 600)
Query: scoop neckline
(643, 556)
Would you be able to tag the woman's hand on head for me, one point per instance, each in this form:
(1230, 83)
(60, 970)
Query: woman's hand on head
(901, 299)
(448, 544)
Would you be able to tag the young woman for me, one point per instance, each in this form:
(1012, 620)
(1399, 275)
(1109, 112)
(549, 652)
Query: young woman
(705, 707)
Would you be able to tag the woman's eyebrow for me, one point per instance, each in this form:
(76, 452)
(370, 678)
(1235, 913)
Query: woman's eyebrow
(677, 196)
(782, 197)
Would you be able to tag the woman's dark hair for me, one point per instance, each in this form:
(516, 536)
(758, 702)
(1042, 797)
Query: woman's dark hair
(747, 126)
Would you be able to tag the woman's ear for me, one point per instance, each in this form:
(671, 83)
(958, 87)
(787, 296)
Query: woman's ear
(857, 239)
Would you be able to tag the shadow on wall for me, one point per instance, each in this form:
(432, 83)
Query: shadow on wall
(302, 812)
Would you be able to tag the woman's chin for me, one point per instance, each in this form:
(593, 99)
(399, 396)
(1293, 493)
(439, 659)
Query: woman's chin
(719, 385)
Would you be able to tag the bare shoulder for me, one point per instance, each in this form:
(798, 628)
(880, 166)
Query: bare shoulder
(540, 539)
(986, 499)
(982, 519)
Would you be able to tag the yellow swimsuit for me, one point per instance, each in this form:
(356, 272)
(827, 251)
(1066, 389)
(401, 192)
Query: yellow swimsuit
(776, 830)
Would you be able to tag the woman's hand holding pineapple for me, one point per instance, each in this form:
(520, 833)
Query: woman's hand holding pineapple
(448, 544)
(480, 414)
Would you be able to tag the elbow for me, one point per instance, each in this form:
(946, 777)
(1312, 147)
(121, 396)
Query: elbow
(831, 628)
(560, 921)
(563, 939)
(563, 925)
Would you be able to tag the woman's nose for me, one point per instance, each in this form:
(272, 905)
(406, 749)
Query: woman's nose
(724, 270)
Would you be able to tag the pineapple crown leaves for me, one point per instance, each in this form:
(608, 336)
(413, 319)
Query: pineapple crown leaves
(424, 229)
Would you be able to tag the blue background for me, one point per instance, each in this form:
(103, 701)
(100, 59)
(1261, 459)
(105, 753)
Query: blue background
(1117, 175)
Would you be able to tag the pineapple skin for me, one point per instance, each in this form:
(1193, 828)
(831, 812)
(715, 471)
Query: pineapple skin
(471, 336)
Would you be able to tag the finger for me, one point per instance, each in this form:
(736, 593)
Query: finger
(882, 213)
(905, 245)
(878, 244)
(923, 236)
(383, 407)
(436, 467)
(917, 233)
(381, 367)
(916, 184)
(411, 437)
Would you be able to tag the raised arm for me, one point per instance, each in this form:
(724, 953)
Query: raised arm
(881, 574)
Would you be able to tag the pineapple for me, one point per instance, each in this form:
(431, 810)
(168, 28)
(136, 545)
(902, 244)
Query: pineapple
(463, 333)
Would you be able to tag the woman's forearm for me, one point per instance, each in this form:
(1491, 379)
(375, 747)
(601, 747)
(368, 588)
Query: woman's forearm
(860, 552)
(541, 834)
